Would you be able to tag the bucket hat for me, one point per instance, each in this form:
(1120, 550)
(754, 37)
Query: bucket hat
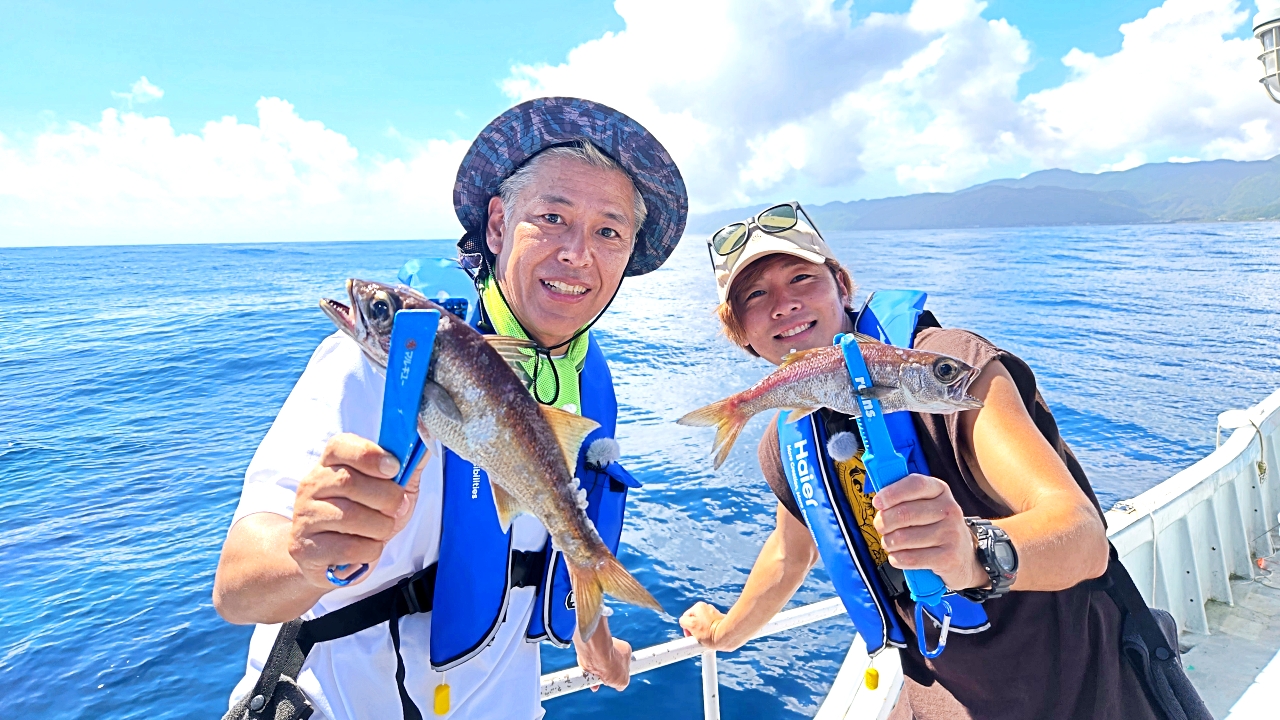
(530, 127)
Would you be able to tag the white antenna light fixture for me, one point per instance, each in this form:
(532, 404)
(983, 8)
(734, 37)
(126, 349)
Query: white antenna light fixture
(1266, 27)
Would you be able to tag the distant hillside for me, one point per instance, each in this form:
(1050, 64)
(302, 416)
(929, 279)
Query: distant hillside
(1152, 193)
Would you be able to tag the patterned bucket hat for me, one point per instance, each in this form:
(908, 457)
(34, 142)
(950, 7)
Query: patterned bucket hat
(521, 132)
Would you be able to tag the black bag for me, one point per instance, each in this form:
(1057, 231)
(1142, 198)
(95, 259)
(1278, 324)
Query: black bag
(1149, 639)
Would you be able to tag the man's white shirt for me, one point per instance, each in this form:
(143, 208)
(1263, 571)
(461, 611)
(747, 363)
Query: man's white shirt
(353, 678)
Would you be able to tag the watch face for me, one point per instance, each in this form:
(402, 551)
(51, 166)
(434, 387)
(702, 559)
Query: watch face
(1005, 556)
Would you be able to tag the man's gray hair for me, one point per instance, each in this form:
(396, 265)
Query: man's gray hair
(582, 151)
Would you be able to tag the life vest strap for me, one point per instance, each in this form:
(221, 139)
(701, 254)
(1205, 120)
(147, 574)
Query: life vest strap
(413, 594)
(528, 568)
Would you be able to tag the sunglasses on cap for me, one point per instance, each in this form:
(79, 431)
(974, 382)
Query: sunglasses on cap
(733, 237)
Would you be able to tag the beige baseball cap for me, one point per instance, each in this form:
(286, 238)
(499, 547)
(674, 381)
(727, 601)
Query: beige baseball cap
(763, 238)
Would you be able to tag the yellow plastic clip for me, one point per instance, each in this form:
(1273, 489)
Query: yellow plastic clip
(872, 678)
(441, 704)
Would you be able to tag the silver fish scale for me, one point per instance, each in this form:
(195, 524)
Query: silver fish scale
(481, 439)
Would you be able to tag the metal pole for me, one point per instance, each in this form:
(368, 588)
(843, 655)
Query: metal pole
(710, 686)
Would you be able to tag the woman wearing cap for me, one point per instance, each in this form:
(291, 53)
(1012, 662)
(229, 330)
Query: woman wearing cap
(560, 199)
(1000, 474)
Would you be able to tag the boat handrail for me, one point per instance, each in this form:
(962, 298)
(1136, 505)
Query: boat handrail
(651, 658)
(1186, 537)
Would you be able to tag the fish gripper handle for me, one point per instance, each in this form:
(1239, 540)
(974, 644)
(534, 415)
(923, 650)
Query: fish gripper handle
(413, 335)
(885, 466)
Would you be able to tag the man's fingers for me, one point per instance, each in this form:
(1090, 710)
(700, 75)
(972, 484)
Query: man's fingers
(376, 493)
(912, 487)
(362, 455)
(347, 517)
(915, 538)
(914, 513)
(414, 480)
(328, 549)
(920, 559)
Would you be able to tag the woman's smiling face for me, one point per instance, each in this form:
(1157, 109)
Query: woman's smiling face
(785, 303)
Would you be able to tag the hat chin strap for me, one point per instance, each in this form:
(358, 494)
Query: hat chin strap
(540, 350)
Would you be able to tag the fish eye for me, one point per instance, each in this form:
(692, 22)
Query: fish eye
(946, 371)
(383, 307)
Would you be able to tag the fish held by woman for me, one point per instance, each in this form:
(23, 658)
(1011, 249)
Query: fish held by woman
(475, 402)
(901, 379)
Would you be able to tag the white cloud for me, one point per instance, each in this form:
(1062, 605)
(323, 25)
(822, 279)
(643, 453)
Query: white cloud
(134, 178)
(1131, 159)
(757, 100)
(141, 92)
(1177, 80)
(753, 108)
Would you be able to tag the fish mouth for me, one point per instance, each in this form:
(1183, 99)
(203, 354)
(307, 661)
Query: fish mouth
(960, 394)
(342, 315)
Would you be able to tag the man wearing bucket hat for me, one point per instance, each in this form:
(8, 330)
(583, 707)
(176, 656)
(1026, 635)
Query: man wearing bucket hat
(560, 199)
(996, 505)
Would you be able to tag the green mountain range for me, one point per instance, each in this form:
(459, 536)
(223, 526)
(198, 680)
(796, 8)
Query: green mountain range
(1217, 190)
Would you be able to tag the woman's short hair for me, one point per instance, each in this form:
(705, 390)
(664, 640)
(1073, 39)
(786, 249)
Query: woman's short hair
(732, 325)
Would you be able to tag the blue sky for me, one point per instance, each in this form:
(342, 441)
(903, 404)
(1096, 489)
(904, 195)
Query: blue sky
(426, 69)
(389, 79)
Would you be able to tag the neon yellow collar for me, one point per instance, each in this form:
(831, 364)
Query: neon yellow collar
(555, 382)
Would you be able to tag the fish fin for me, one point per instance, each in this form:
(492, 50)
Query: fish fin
(723, 416)
(799, 414)
(866, 338)
(441, 400)
(570, 430)
(797, 356)
(508, 348)
(508, 507)
(591, 584)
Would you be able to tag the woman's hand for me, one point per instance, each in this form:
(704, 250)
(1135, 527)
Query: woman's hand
(702, 622)
(924, 529)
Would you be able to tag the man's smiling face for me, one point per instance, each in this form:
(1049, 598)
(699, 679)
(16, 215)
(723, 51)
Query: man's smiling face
(785, 303)
(562, 249)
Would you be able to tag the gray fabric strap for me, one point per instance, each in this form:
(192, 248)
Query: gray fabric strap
(286, 658)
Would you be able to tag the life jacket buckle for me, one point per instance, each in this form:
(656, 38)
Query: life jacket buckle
(414, 589)
(527, 568)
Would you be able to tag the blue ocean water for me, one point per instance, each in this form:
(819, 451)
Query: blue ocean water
(135, 383)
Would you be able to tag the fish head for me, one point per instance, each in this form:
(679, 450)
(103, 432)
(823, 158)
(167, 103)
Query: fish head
(369, 317)
(933, 383)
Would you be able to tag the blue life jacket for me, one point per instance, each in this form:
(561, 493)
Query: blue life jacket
(473, 576)
(890, 316)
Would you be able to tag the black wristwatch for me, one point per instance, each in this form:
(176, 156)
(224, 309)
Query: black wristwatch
(997, 556)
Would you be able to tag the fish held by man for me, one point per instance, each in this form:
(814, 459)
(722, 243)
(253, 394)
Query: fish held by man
(901, 379)
(474, 401)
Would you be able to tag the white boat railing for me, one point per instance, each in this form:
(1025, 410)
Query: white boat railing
(1186, 537)
(651, 658)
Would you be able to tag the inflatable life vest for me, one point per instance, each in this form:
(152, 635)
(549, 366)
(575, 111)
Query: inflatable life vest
(477, 567)
(890, 316)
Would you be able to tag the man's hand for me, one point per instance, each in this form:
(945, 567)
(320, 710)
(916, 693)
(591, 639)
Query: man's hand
(348, 507)
(923, 529)
(702, 621)
(605, 656)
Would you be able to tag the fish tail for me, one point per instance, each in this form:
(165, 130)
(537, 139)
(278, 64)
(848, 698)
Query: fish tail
(728, 421)
(591, 584)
